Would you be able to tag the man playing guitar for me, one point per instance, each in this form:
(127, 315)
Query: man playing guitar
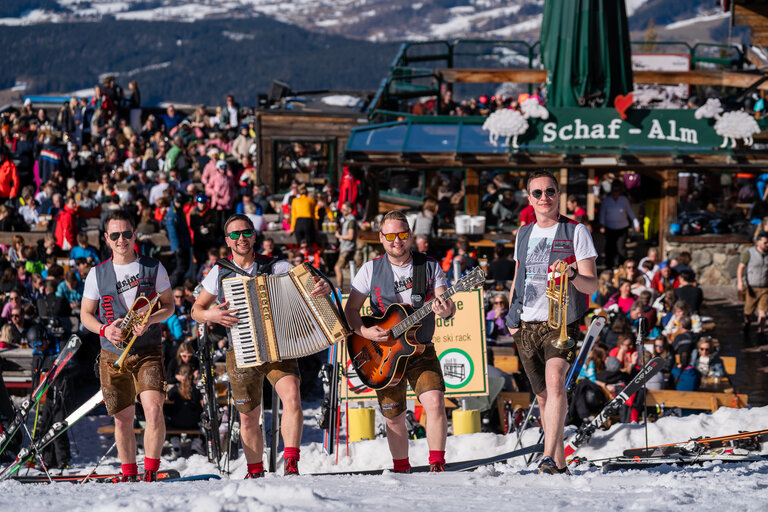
(387, 280)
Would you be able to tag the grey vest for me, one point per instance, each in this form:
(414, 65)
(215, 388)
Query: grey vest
(383, 295)
(757, 269)
(347, 223)
(263, 265)
(110, 308)
(562, 249)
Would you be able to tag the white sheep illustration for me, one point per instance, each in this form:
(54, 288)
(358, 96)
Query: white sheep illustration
(730, 125)
(509, 123)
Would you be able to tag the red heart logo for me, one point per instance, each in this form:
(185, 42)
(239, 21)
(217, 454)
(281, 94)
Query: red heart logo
(622, 104)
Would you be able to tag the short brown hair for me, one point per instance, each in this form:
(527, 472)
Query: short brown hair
(541, 174)
(119, 215)
(238, 216)
(396, 215)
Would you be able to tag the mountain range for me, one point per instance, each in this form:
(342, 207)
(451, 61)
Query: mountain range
(202, 50)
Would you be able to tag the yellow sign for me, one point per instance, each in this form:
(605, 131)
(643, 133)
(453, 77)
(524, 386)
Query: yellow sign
(460, 346)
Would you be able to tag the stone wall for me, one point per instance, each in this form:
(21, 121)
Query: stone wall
(714, 258)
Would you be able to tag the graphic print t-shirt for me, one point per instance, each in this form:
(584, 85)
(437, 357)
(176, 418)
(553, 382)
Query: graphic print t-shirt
(127, 277)
(535, 303)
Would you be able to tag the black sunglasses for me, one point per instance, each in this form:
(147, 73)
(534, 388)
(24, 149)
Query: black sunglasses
(537, 193)
(127, 235)
(235, 235)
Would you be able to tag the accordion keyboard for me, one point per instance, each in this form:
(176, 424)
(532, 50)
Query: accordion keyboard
(279, 319)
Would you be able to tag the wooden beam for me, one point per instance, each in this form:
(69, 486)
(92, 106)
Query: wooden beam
(750, 15)
(533, 76)
(483, 76)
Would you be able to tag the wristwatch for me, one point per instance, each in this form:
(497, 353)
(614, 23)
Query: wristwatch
(575, 273)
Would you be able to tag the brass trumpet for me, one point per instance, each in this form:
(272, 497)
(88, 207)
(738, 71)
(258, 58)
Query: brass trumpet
(132, 319)
(558, 307)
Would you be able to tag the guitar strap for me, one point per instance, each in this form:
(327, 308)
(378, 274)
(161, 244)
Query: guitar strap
(419, 290)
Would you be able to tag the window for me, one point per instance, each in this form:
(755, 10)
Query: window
(306, 161)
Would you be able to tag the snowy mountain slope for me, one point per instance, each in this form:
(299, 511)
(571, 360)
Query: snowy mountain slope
(374, 20)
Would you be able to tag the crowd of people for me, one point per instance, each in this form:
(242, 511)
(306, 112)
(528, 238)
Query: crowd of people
(100, 161)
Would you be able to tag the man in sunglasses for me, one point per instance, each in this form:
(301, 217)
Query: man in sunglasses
(539, 248)
(210, 306)
(388, 280)
(110, 291)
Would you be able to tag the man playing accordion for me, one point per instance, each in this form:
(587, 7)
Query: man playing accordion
(247, 383)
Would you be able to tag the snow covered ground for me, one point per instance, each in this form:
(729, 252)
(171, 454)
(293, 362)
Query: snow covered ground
(501, 487)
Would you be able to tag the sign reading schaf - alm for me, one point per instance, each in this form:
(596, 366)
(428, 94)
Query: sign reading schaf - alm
(603, 130)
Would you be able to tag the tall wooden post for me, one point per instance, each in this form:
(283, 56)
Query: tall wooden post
(472, 192)
(590, 194)
(563, 179)
(668, 206)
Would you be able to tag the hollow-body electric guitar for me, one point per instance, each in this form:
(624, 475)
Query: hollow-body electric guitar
(381, 364)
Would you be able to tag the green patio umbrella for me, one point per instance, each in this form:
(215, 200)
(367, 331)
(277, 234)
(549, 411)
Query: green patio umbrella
(586, 51)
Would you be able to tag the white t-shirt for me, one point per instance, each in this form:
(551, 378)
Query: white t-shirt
(535, 303)
(211, 281)
(127, 277)
(403, 280)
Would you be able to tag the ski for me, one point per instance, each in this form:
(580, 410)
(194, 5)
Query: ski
(745, 440)
(585, 432)
(209, 420)
(192, 478)
(468, 465)
(55, 431)
(65, 354)
(624, 463)
(326, 418)
(595, 328)
(170, 474)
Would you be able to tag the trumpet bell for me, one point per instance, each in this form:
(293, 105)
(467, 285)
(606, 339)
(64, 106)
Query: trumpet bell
(564, 344)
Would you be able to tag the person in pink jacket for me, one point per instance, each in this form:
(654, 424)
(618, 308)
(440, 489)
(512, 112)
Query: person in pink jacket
(221, 189)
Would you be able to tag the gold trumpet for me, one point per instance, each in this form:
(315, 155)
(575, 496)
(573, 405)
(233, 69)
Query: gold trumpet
(558, 307)
(134, 318)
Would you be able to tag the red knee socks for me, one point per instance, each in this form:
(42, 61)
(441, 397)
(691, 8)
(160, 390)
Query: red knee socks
(401, 464)
(437, 456)
(129, 469)
(256, 468)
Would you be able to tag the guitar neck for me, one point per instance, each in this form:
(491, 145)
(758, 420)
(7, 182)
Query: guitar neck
(420, 314)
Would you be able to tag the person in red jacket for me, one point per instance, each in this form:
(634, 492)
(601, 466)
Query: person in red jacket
(9, 177)
(348, 188)
(66, 225)
(665, 279)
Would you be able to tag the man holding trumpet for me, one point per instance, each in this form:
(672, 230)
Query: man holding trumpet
(553, 244)
(125, 285)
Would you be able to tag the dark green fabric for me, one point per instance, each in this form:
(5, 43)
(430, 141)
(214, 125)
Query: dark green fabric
(586, 51)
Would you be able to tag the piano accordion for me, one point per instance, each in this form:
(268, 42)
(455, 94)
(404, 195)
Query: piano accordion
(279, 319)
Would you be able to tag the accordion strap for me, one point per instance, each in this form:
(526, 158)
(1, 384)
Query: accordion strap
(264, 268)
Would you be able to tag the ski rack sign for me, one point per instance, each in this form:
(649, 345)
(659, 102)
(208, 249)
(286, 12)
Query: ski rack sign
(460, 346)
(600, 130)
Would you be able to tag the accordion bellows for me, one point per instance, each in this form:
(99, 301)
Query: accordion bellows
(279, 319)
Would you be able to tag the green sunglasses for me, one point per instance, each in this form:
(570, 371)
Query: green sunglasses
(235, 235)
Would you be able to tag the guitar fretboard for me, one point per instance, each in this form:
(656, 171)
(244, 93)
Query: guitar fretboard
(420, 314)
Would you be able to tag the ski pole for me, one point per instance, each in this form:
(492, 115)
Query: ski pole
(98, 463)
(641, 353)
(37, 454)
